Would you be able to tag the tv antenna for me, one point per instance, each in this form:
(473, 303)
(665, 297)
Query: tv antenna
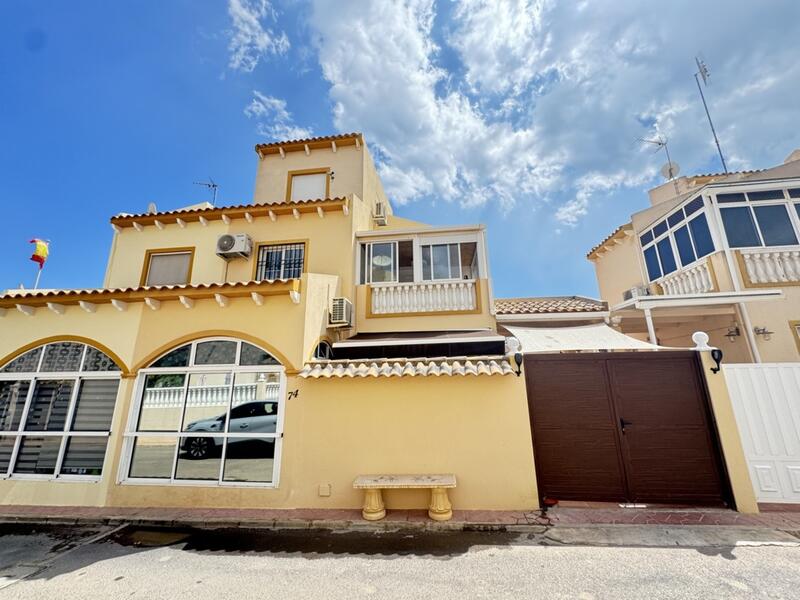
(212, 186)
(671, 169)
(702, 72)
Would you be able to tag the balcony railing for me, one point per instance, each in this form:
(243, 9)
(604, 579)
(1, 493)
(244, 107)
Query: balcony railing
(771, 266)
(211, 395)
(399, 298)
(697, 279)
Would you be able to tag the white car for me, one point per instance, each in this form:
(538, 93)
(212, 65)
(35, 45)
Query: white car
(252, 417)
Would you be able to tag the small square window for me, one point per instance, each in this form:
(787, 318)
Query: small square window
(168, 268)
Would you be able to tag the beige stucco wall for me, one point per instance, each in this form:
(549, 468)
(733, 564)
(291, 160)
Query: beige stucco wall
(776, 317)
(618, 270)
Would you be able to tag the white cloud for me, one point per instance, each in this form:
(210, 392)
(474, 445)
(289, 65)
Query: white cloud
(542, 102)
(274, 121)
(250, 39)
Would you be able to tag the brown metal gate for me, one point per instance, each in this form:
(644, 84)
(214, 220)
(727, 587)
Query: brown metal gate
(628, 426)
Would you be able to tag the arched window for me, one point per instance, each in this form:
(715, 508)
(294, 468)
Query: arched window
(56, 407)
(209, 412)
(323, 351)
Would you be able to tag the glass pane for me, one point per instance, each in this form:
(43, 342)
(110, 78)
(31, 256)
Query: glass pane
(98, 361)
(294, 261)
(382, 263)
(739, 227)
(12, 402)
(38, 455)
(667, 258)
(255, 403)
(199, 458)
(766, 195)
(722, 198)
(675, 218)
(797, 210)
(253, 356)
(426, 263)
(177, 358)
(152, 457)
(794, 193)
(95, 405)
(776, 228)
(169, 269)
(693, 206)
(27, 363)
(216, 352)
(441, 267)
(309, 187)
(455, 258)
(646, 238)
(162, 402)
(84, 456)
(469, 260)
(249, 459)
(6, 448)
(405, 261)
(363, 278)
(64, 356)
(703, 243)
(660, 229)
(49, 405)
(684, 244)
(651, 260)
(207, 402)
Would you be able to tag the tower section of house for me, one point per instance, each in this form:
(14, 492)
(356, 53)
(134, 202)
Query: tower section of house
(718, 253)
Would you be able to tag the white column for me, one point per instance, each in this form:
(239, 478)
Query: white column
(651, 330)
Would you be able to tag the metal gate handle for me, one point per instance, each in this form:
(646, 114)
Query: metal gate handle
(623, 423)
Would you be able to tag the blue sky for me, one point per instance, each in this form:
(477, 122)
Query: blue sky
(519, 114)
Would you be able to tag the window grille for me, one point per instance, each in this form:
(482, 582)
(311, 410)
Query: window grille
(280, 261)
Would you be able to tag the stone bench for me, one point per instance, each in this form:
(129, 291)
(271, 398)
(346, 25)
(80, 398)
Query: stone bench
(440, 508)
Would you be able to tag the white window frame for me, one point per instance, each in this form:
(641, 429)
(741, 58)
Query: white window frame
(131, 434)
(787, 202)
(32, 377)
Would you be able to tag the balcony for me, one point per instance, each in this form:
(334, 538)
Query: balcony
(697, 279)
(770, 266)
(425, 297)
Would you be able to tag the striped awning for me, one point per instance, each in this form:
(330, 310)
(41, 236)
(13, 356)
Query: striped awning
(482, 365)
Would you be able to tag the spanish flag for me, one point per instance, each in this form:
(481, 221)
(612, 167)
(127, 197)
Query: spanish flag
(40, 253)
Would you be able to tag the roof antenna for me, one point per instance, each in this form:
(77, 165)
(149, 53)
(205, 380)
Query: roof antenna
(671, 169)
(210, 185)
(702, 71)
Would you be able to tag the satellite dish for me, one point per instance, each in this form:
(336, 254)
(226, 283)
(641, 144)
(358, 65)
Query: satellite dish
(151, 208)
(670, 170)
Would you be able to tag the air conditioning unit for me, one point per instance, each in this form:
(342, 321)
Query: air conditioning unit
(635, 292)
(340, 313)
(237, 245)
(379, 216)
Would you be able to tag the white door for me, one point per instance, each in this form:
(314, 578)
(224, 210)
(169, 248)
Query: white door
(766, 402)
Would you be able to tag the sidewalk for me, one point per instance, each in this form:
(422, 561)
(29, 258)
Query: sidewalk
(562, 516)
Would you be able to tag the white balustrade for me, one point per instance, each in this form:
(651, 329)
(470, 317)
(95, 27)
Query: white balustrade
(430, 296)
(694, 280)
(772, 266)
(214, 395)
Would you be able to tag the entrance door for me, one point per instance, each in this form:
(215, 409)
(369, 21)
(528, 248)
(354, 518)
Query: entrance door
(628, 426)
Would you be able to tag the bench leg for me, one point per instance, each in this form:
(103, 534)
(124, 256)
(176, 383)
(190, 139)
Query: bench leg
(440, 508)
(373, 510)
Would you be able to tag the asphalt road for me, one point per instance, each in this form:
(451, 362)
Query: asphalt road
(71, 563)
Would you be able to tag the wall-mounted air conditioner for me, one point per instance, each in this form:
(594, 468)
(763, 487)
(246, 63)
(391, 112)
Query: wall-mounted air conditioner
(379, 216)
(237, 245)
(340, 313)
(635, 292)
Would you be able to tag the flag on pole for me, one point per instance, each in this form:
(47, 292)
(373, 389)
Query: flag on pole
(40, 253)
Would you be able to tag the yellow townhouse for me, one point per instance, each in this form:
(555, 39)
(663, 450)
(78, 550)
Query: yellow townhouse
(267, 355)
(718, 253)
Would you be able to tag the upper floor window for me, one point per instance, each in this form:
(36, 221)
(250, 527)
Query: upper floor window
(308, 184)
(56, 407)
(683, 237)
(406, 261)
(280, 261)
(168, 267)
(759, 218)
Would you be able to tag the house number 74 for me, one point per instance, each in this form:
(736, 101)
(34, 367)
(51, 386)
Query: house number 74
(293, 394)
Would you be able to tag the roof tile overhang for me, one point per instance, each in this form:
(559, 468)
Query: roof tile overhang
(313, 143)
(548, 305)
(249, 212)
(616, 237)
(27, 301)
(403, 367)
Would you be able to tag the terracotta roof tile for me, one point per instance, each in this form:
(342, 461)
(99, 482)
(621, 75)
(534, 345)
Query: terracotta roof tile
(553, 304)
(617, 233)
(289, 144)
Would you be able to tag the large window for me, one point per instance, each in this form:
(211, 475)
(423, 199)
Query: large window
(406, 261)
(449, 261)
(209, 412)
(56, 407)
(308, 185)
(386, 262)
(760, 218)
(173, 267)
(682, 236)
(280, 261)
